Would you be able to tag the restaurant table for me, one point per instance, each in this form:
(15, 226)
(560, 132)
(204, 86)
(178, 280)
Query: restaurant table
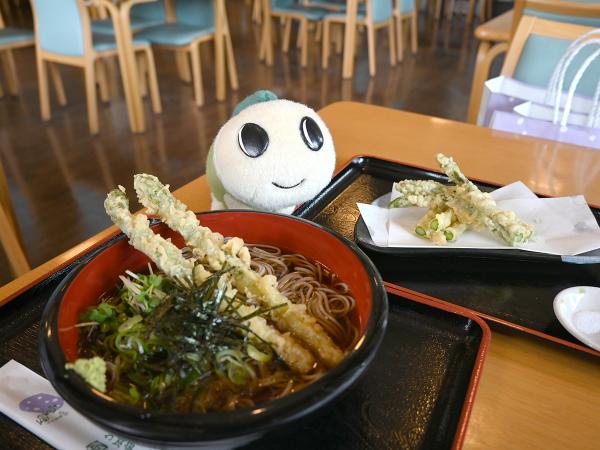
(533, 394)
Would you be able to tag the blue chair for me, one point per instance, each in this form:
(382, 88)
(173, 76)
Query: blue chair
(405, 10)
(66, 38)
(289, 11)
(538, 45)
(10, 39)
(192, 24)
(378, 14)
(580, 12)
(142, 16)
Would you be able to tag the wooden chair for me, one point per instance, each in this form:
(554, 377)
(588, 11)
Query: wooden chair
(577, 12)
(289, 11)
(189, 24)
(379, 14)
(12, 38)
(537, 47)
(142, 16)
(495, 35)
(406, 10)
(9, 236)
(67, 39)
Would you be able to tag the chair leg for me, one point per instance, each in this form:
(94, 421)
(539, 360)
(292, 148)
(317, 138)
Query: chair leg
(152, 81)
(471, 11)
(338, 36)
(90, 90)
(325, 44)
(319, 31)
(371, 48)
(304, 43)
(399, 36)
(287, 33)
(229, 55)
(303, 23)
(10, 242)
(449, 9)
(183, 66)
(102, 80)
(256, 12)
(231, 64)
(42, 70)
(59, 89)
(392, 42)
(141, 64)
(197, 74)
(438, 9)
(12, 80)
(414, 24)
(1, 91)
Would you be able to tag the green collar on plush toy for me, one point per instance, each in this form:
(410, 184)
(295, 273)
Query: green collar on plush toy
(271, 155)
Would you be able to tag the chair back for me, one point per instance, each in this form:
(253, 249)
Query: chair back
(538, 45)
(380, 10)
(283, 3)
(198, 13)
(580, 12)
(62, 26)
(152, 12)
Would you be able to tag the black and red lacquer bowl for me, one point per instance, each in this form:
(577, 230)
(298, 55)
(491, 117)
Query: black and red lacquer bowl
(84, 286)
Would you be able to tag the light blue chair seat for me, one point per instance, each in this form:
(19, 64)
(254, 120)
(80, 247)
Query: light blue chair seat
(13, 35)
(173, 34)
(309, 13)
(361, 15)
(105, 42)
(105, 26)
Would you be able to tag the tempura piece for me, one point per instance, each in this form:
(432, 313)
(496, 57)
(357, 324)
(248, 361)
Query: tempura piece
(170, 260)
(166, 255)
(469, 206)
(293, 317)
(421, 193)
(422, 229)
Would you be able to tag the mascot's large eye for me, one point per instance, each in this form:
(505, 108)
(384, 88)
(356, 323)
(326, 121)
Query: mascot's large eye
(253, 140)
(311, 134)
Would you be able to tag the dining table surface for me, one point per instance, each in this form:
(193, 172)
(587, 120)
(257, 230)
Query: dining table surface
(533, 394)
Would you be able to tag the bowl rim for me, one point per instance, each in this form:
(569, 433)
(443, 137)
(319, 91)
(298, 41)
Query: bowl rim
(212, 426)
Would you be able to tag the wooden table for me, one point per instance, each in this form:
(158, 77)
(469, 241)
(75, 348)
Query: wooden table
(533, 394)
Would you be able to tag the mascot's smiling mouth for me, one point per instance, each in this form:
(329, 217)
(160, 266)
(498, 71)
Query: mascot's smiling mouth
(288, 187)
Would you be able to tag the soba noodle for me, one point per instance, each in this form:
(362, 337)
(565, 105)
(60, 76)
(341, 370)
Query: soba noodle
(303, 281)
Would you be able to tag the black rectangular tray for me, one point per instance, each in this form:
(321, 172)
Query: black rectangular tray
(515, 289)
(417, 393)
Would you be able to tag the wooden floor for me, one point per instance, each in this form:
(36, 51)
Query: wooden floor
(59, 174)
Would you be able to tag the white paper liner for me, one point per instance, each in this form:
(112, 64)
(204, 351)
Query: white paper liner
(563, 226)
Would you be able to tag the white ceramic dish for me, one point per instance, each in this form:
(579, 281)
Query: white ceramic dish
(578, 310)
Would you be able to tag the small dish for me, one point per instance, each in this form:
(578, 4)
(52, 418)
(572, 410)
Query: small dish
(578, 310)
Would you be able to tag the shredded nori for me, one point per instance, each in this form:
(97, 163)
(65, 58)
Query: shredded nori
(168, 344)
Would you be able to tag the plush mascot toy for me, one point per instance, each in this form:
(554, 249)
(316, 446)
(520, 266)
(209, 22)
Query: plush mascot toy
(272, 155)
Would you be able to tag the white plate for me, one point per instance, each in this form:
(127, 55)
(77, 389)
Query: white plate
(578, 310)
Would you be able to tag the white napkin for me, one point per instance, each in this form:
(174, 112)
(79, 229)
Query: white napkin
(563, 226)
(31, 401)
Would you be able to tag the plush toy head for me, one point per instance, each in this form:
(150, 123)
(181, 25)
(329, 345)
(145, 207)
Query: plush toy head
(271, 155)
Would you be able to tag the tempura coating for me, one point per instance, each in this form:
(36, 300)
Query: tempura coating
(170, 260)
(293, 317)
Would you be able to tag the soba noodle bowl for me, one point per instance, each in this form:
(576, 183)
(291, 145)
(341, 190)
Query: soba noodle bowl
(148, 367)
